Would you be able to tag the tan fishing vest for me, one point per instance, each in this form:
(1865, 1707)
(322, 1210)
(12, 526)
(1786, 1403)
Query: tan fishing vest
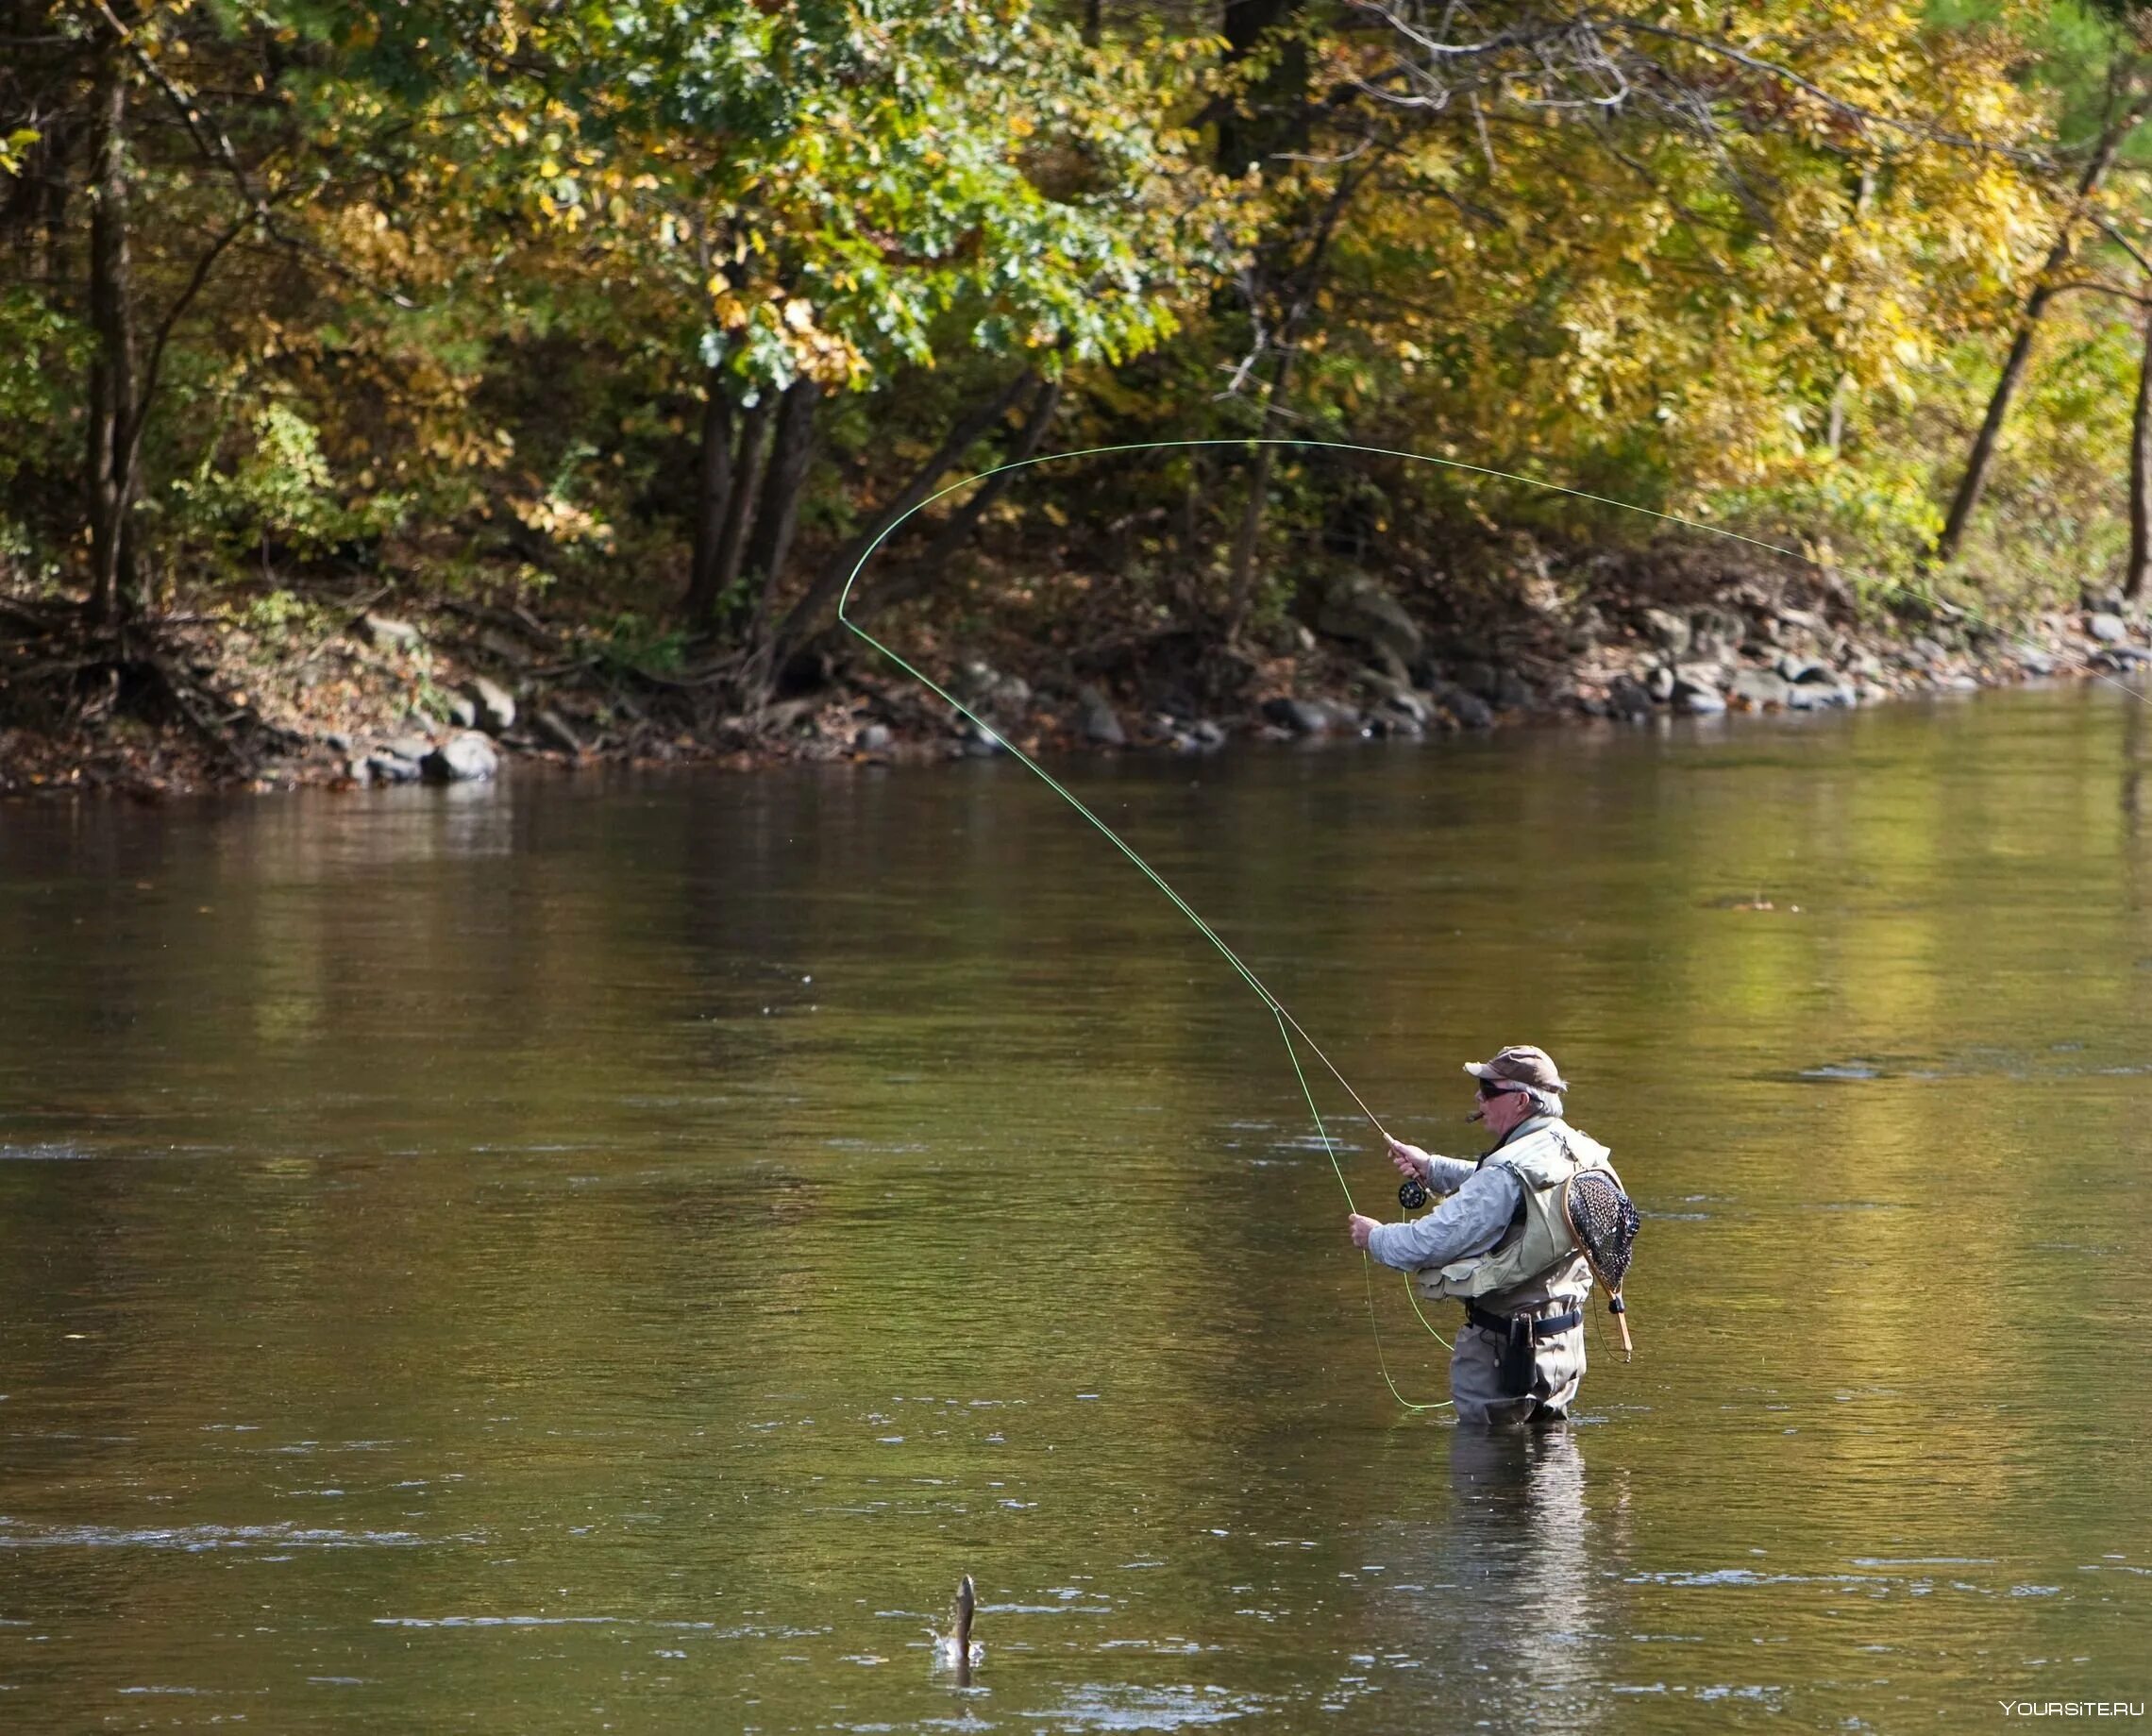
(1542, 1162)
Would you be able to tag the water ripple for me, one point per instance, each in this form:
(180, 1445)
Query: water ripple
(15, 1535)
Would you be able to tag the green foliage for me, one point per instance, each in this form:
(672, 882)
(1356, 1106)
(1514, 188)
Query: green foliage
(283, 490)
(43, 351)
(2055, 519)
(635, 642)
(2068, 53)
(509, 245)
(284, 620)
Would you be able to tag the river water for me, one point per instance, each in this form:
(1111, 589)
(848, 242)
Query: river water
(609, 1254)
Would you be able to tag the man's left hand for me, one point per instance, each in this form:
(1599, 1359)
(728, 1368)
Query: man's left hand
(1359, 1228)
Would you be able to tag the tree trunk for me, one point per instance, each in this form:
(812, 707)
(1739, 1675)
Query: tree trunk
(1241, 592)
(918, 577)
(965, 520)
(2134, 575)
(713, 496)
(111, 471)
(1306, 279)
(1982, 458)
(740, 509)
(38, 72)
(790, 449)
(830, 584)
(50, 260)
(1245, 537)
(1278, 119)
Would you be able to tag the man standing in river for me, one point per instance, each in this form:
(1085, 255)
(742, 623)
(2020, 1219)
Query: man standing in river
(1501, 1244)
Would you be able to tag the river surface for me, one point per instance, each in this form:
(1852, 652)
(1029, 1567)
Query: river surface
(609, 1254)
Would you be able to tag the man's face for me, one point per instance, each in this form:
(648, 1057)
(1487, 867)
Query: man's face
(1508, 1106)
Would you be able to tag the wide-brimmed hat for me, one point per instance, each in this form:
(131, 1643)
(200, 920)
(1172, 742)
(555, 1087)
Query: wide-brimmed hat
(1520, 1063)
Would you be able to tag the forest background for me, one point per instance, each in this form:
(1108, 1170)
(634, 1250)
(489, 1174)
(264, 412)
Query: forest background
(634, 322)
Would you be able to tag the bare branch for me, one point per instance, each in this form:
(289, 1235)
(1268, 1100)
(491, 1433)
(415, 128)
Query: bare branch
(1853, 111)
(1573, 64)
(179, 306)
(1479, 125)
(337, 267)
(220, 149)
(2123, 242)
(2099, 286)
(214, 143)
(1334, 161)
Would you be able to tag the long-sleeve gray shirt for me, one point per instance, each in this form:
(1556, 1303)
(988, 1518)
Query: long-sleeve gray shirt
(1481, 1204)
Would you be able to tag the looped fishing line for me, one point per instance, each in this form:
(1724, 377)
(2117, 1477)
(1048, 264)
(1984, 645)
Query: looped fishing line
(1289, 1027)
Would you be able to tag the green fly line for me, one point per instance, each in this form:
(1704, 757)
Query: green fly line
(1289, 1027)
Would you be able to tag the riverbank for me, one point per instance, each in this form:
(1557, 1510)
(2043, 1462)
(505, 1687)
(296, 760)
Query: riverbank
(349, 692)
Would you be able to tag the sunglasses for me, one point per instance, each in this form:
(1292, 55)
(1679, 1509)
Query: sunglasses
(1488, 1090)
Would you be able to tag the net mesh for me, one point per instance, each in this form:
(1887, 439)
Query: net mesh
(1604, 1221)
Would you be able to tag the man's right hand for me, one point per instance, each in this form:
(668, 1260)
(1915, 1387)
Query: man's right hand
(1411, 1160)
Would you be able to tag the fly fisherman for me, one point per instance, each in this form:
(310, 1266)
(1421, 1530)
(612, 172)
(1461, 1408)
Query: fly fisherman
(1500, 1245)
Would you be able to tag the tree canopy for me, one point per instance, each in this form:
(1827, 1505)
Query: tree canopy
(666, 305)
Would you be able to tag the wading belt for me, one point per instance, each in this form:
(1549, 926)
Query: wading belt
(1520, 1337)
(1502, 1324)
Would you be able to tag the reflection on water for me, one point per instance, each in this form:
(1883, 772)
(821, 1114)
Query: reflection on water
(1517, 1520)
(616, 1252)
(1501, 1592)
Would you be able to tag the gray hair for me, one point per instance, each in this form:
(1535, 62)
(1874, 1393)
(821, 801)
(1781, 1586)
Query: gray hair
(1544, 1103)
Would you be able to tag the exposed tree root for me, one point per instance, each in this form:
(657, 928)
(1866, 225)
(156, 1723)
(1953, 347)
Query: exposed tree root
(66, 681)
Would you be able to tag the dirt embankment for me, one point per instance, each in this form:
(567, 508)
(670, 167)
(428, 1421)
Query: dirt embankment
(359, 694)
